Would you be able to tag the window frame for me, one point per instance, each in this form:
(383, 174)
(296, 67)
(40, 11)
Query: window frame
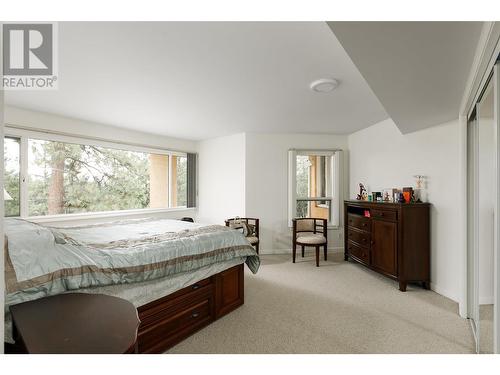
(25, 134)
(337, 184)
(18, 139)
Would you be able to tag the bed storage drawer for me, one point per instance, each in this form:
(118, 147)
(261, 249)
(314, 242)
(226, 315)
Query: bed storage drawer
(175, 302)
(178, 319)
(172, 306)
(169, 320)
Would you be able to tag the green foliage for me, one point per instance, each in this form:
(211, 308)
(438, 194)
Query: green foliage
(303, 164)
(94, 178)
(11, 184)
(181, 181)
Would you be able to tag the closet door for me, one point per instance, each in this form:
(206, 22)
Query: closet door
(472, 229)
(486, 216)
(496, 255)
(483, 207)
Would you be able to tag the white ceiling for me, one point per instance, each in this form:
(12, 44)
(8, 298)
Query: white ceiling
(418, 70)
(201, 80)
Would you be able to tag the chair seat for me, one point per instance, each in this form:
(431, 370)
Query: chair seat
(310, 238)
(253, 240)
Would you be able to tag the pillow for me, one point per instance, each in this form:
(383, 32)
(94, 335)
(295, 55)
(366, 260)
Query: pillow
(241, 227)
(251, 230)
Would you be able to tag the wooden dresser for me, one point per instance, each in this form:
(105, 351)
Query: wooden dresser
(390, 238)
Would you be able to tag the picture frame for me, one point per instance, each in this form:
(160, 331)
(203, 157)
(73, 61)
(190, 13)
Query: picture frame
(395, 194)
(408, 194)
(387, 195)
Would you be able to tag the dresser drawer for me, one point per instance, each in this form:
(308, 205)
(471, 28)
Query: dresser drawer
(361, 238)
(384, 214)
(358, 252)
(359, 222)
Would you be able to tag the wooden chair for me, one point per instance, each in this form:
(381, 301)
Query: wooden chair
(252, 223)
(310, 232)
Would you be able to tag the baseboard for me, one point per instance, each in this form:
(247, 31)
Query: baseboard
(336, 250)
(445, 293)
(333, 250)
(488, 300)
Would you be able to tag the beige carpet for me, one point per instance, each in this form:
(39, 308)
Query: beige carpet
(340, 307)
(486, 329)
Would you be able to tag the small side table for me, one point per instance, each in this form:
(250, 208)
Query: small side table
(76, 323)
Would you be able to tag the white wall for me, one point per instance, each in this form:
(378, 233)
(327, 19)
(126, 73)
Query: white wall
(221, 174)
(266, 194)
(45, 121)
(41, 120)
(381, 157)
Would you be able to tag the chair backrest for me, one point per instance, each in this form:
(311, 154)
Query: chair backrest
(250, 221)
(314, 225)
(305, 225)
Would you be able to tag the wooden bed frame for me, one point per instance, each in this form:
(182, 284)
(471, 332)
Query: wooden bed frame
(169, 320)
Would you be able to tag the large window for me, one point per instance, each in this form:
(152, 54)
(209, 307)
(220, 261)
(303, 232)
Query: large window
(63, 177)
(314, 185)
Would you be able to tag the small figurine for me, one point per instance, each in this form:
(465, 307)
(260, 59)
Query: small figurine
(386, 196)
(362, 192)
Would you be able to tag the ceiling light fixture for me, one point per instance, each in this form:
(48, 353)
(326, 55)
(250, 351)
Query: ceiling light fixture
(324, 85)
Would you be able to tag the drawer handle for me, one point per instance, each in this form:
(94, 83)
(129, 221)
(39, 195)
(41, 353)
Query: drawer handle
(364, 224)
(195, 286)
(372, 242)
(195, 314)
(364, 240)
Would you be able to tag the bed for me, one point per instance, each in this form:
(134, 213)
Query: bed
(181, 276)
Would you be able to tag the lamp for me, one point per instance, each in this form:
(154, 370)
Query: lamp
(6, 196)
(420, 188)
